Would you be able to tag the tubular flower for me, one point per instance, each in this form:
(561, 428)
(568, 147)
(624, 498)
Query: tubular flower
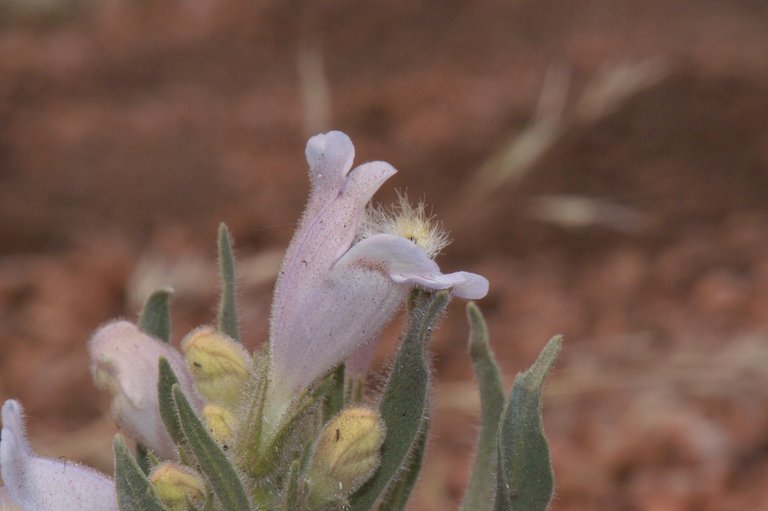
(334, 295)
(124, 361)
(34, 482)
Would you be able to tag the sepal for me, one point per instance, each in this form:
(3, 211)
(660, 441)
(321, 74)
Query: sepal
(525, 479)
(228, 301)
(134, 491)
(403, 406)
(481, 487)
(400, 490)
(155, 317)
(213, 462)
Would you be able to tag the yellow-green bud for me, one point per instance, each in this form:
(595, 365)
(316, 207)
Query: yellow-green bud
(345, 455)
(178, 487)
(219, 365)
(221, 423)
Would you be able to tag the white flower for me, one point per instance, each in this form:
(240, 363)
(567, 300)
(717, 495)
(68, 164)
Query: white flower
(124, 361)
(36, 483)
(333, 295)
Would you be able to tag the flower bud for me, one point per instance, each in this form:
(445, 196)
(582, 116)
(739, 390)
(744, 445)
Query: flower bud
(345, 455)
(178, 487)
(219, 365)
(221, 423)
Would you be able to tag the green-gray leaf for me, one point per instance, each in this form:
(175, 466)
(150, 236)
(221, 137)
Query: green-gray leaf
(213, 462)
(165, 382)
(397, 496)
(155, 318)
(142, 458)
(134, 491)
(335, 400)
(525, 481)
(482, 482)
(290, 495)
(228, 302)
(404, 403)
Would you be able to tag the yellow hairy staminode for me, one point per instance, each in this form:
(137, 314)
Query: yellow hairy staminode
(409, 221)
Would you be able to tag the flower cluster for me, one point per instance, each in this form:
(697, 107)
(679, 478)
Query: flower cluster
(219, 428)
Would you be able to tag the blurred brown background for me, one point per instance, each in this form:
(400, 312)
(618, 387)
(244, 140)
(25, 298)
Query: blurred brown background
(603, 162)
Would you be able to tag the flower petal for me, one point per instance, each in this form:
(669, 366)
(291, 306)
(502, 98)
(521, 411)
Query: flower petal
(34, 482)
(356, 365)
(405, 263)
(327, 229)
(330, 157)
(124, 360)
(340, 315)
(354, 302)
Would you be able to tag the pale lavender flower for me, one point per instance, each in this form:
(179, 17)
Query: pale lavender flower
(124, 361)
(33, 482)
(333, 296)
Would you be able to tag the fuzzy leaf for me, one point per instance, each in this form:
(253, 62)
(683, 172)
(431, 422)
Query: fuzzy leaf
(291, 488)
(228, 302)
(167, 405)
(482, 483)
(335, 400)
(525, 481)
(249, 436)
(134, 491)
(142, 458)
(403, 406)
(212, 461)
(397, 496)
(155, 318)
(266, 460)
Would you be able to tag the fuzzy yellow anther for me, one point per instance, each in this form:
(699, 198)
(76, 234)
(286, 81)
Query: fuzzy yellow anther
(178, 487)
(345, 455)
(219, 365)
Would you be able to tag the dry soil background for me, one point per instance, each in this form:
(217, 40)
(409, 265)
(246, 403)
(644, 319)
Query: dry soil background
(603, 162)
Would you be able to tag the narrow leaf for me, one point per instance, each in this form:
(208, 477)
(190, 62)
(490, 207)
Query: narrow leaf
(482, 482)
(134, 491)
(335, 400)
(165, 382)
(155, 318)
(397, 496)
(228, 302)
(291, 489)
(142, 458)
(404, 403)
(525, 481)
(249, 437)
(212, 461)
(267, 460)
